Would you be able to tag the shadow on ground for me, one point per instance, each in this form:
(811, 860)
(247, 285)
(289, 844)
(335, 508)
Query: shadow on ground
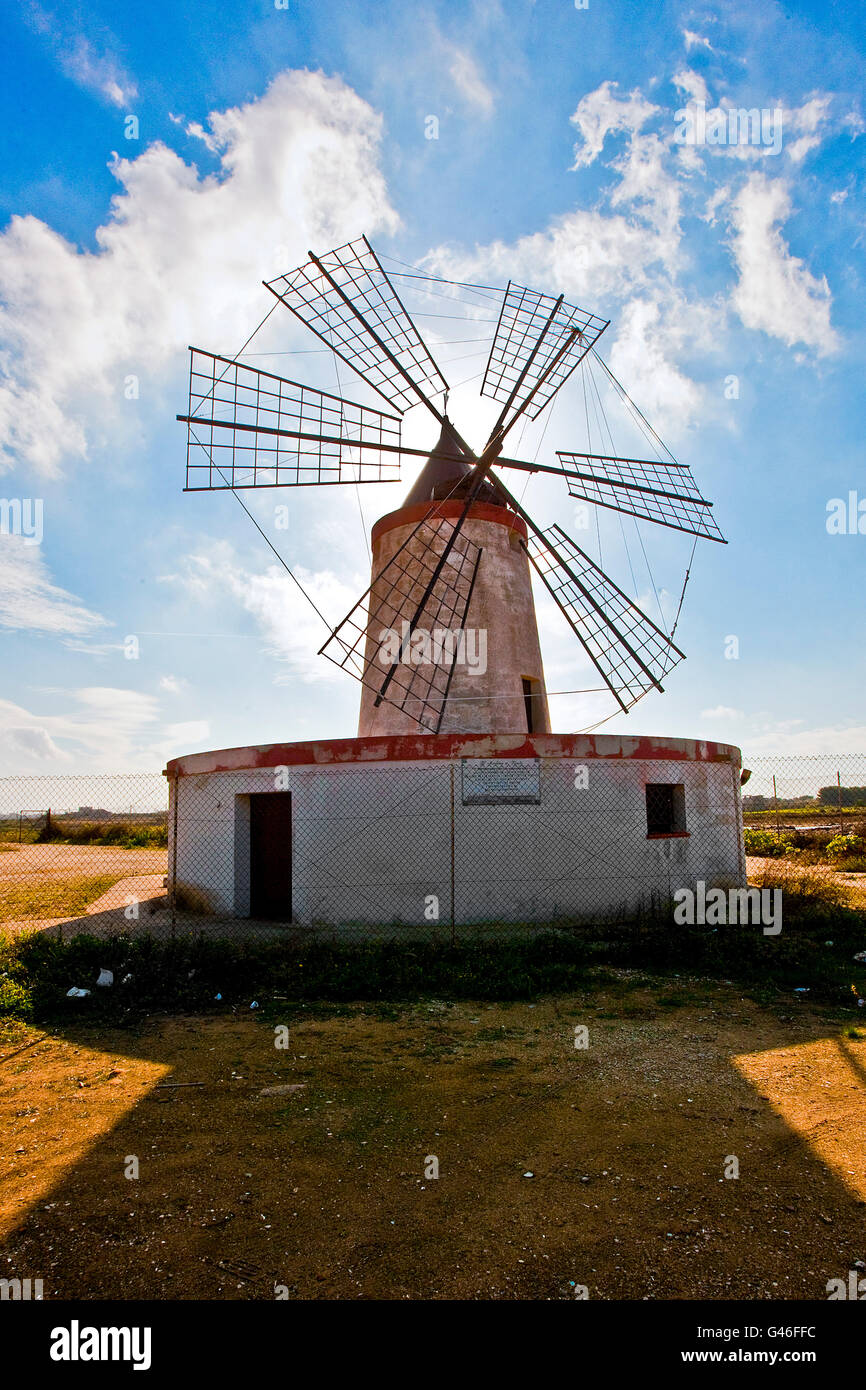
(558, 1165)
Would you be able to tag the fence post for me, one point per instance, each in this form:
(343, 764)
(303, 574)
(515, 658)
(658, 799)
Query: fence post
(839, 801)
(452, 856)
(172, 880)
(776, 804)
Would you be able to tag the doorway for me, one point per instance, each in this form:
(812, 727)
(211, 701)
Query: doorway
(531, 702)
(271, 856)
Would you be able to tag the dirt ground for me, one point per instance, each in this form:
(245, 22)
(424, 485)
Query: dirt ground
(62, 861)
(105, 878)
(559, 1166)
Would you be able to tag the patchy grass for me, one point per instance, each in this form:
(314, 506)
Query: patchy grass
(814, 951)
(67, 897)
(806, 890)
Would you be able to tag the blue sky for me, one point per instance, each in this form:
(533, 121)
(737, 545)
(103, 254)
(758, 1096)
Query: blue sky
(264, 131)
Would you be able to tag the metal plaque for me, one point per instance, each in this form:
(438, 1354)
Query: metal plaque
(501, 781)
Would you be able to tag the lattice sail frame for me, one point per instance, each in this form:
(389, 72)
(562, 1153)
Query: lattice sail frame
(665, 493)
(387, 621)
(522, 319)
(346, 298)
(348, 301)
(626, 647)
(248, 428)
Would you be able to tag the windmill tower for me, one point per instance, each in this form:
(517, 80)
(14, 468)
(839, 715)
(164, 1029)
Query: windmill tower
(495, 682)
(444, 642)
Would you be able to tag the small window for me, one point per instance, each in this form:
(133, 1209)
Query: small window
(530, 701)
(665, 808)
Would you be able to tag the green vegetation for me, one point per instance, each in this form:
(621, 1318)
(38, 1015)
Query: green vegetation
(136, 833)
(845, 846)
(765, 843)
(846, 852)
(123, 834)
(814, 951)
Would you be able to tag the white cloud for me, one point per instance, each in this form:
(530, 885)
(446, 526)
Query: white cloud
(126, 709)
(29, 600)
(789, 736)
(96, 69)
(806, 121)
(748, 132)
(692, 84)
(185, 735)
(286, 620)
(97, 72)
(776, 293)
(694, 40)
(101, 650)
(173, 684)
(97, 728)
(716, 200)
(721, 712)
(107, 728)
(601, 113)
(180, 260)
(467, 78)
(35, 743)
(648, 187)
(643, 356)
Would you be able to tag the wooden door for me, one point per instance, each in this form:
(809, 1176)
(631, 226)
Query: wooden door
(271, 856)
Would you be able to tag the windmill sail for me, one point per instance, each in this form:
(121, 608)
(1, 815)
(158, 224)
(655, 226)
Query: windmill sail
(348, 301)
(403, 637)
(630, 653)
(249, 428)
(539, 341)
(662, 492)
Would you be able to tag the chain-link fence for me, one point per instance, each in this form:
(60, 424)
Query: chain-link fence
(393, 851)
(82, 853)
(803, 791)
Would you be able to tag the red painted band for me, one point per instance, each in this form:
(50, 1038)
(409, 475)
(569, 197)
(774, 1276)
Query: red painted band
(391, 748)
(479, 511)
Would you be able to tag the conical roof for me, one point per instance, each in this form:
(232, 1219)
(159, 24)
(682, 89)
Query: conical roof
(444, 472)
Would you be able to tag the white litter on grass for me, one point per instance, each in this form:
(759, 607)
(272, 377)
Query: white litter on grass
(74, 993)
(106, 977)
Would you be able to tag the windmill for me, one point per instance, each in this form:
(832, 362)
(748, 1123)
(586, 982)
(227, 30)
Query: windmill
(251, 429)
